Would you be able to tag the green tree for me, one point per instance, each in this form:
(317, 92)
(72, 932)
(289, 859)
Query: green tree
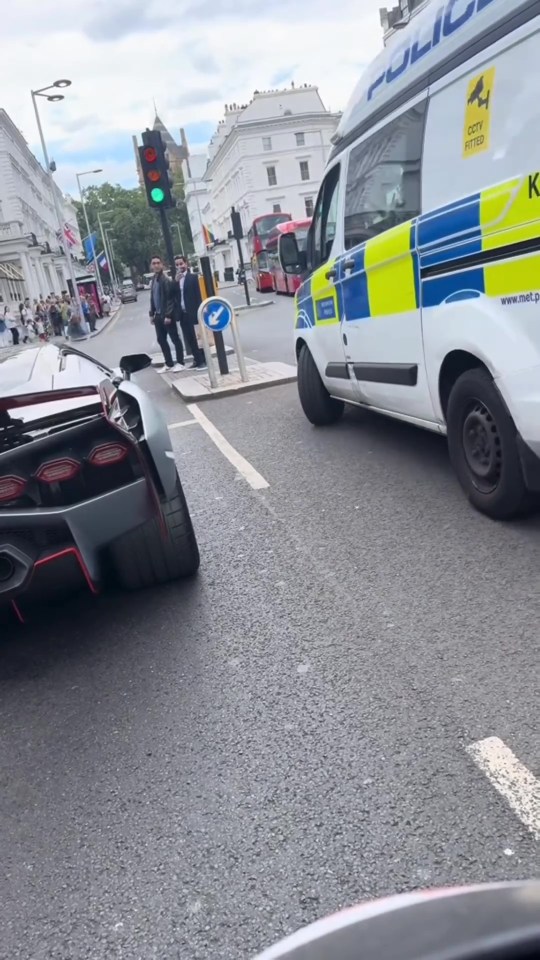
(135, 227)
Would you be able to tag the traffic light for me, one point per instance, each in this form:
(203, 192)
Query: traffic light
(155, 170)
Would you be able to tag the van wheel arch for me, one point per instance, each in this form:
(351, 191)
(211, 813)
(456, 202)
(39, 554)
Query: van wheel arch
(453, 366)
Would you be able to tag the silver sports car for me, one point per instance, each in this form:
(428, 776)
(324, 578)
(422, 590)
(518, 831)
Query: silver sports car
(88, 481)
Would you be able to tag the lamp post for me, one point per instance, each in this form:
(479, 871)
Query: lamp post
(110, 253)
(86, 173)
(182, 251)
(111, 248)
(54, 98)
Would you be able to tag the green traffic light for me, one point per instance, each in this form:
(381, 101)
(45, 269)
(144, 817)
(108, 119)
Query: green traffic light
(157, 195)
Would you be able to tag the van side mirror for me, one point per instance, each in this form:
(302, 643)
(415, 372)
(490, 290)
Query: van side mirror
(134, 362)
(293, 260)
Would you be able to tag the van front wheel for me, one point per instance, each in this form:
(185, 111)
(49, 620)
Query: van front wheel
(483, 449)
(319, 407)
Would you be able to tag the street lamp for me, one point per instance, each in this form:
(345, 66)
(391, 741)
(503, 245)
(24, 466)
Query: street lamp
(86, 173)
(108, 249)
(54, 98)
(183, 252)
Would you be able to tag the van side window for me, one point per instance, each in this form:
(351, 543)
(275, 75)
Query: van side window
(383, 179)
(325, 217)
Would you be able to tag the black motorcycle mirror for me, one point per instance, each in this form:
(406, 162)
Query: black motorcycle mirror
(134, 362)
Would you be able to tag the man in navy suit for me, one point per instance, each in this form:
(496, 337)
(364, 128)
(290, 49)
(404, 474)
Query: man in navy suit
(189, 300)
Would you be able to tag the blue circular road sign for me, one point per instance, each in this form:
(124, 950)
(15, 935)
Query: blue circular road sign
(217, 314)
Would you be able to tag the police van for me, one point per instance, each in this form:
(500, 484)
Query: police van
(422, 292)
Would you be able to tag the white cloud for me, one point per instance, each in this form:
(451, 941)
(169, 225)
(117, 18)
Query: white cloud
(192, 58)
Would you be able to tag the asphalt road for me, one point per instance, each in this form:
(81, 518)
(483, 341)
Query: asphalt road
(195, 771)
(266, 332)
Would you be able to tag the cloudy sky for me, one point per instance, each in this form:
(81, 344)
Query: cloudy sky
(192, 56)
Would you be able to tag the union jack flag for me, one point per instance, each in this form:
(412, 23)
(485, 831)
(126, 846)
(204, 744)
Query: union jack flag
(69, 235)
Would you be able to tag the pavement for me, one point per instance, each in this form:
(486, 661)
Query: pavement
(102, 325)
(195, 771)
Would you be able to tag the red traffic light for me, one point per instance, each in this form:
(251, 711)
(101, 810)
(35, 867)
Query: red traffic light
(150, 155)
(154, 175)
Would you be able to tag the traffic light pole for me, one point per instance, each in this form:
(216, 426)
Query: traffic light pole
(243, 269)
(167, 237)
(238, 233)
(221, 353)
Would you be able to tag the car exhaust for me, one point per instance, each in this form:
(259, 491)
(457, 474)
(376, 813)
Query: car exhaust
(7, 568)
(17, 559)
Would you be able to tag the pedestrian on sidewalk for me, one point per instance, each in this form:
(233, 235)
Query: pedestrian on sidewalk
(55, 319)
(13, 325)
(65, 311)
(92, 314)
(162, 310)
(188, 293)
(86, 313)
(6, 338)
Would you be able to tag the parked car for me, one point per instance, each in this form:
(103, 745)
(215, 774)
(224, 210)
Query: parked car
(88, 482)
(128, 294)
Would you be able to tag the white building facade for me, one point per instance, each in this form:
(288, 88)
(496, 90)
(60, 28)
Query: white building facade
(265, 157)
(31, 263)
(198, 199)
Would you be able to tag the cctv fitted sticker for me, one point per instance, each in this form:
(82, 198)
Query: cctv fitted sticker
(478, 113)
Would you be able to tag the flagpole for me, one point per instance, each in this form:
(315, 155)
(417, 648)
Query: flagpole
(112, 271)
(90, 235)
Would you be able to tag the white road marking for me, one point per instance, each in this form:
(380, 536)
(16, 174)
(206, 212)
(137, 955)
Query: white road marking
(239, 462)
(181, 423)
(511, 778)
(214, 317)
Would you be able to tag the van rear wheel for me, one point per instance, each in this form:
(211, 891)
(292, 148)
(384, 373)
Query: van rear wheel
(483, 448)
(319, 407)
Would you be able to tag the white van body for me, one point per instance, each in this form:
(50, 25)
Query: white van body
(424, 252)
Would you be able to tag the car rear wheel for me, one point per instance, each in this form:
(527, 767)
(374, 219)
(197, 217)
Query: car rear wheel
(319, 407)
(483, 448)
(148, 556)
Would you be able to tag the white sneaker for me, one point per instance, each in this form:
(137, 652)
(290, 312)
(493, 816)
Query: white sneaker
(164, 369)
(178, 367)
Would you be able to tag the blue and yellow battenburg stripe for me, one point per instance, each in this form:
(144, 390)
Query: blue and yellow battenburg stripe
(391, 272)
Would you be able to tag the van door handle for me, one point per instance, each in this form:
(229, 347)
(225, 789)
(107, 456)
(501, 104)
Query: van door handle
(331, 274)
(349, 264)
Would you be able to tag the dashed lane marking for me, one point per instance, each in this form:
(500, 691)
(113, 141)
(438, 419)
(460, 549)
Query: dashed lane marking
(182, 423)
(511, 779)
(244, 468)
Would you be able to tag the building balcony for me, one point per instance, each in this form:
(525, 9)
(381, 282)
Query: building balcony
(11, 230)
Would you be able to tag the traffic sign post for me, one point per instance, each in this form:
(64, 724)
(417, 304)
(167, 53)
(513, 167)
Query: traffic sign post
(206, 345)
(216, 314)
(221, 353)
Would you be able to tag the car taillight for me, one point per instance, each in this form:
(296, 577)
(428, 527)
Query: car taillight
(57, 471)
(11, 488)
(107, 454)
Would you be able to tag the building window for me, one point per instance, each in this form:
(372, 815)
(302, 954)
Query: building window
(272, 178)
(300, 139)
(308, 203)
(383, 179)
(304, 170)
(276, 208)
(267, 143)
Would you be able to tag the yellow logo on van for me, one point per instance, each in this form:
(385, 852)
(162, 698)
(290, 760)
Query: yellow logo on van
(478, 108)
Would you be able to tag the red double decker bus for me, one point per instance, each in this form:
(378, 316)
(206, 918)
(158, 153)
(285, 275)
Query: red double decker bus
(257, 239)
(282, 282)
